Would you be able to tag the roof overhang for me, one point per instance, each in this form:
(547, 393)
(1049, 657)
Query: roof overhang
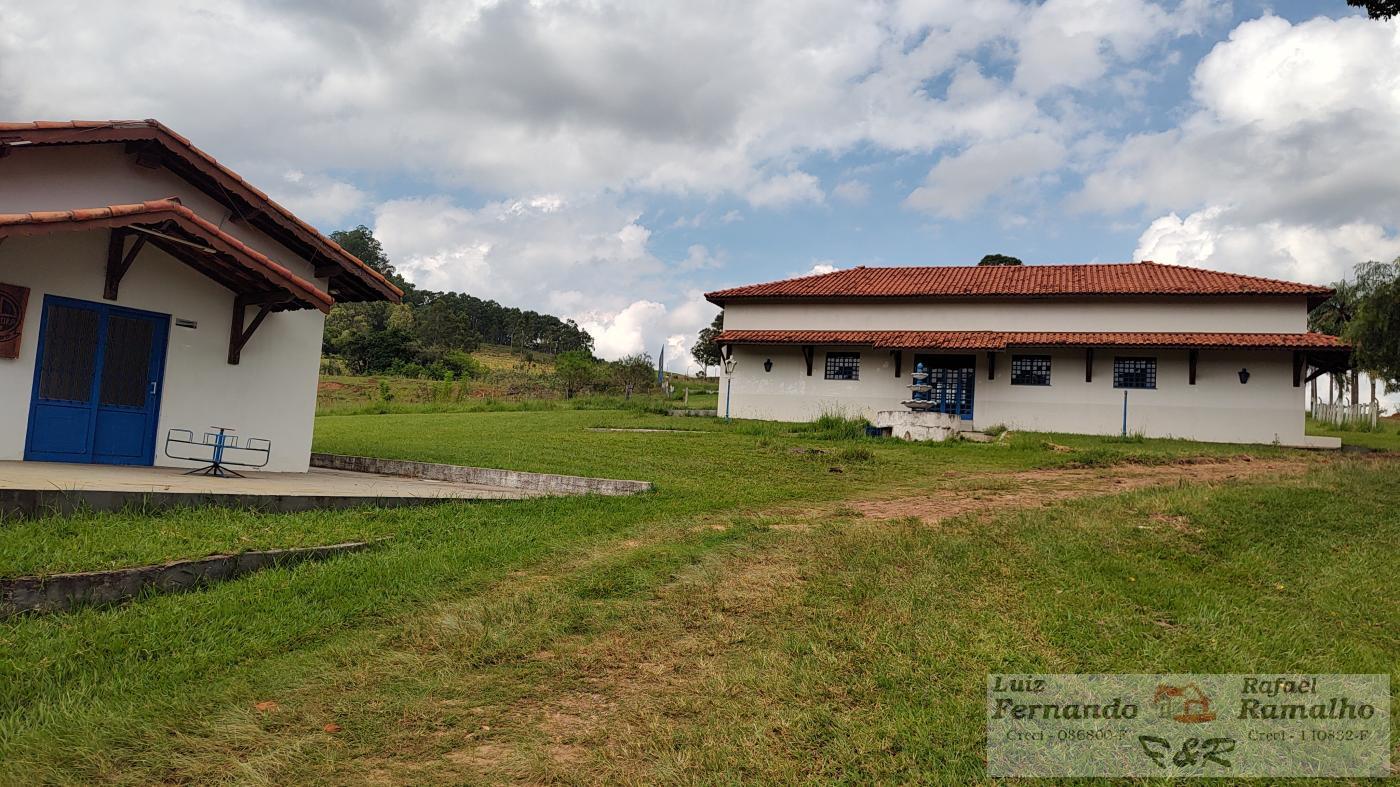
(156, 145)
(1002, 340)
(182, 234)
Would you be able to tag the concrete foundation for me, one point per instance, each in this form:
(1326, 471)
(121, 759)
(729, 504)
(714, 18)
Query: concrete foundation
(912, 425)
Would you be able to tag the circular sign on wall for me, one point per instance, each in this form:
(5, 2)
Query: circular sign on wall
(11, 315)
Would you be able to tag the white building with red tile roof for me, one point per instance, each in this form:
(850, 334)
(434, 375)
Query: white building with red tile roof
(1142, 348)
(145, 288)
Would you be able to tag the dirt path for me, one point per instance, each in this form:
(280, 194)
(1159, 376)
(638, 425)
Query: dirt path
(1042, 487)
(619, 689)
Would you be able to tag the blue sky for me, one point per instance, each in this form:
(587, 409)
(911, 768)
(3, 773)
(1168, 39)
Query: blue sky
(610, 161)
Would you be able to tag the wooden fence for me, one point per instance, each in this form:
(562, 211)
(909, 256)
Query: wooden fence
(1365, 413)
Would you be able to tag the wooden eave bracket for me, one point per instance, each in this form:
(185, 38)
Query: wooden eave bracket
(898, 363)
(119, 260)
(807, 352)
(240, 333)
(1191, 358)
(991, 366)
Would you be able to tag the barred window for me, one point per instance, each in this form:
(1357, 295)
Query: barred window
(843, 366)
(1134, 372)
(1030, 370)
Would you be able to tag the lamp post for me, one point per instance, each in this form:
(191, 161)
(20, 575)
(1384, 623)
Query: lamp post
(729, 364)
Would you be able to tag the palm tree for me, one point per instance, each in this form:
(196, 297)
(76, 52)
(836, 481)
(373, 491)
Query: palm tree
(1332, 317)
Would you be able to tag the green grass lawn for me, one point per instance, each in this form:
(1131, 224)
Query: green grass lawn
(760, 619)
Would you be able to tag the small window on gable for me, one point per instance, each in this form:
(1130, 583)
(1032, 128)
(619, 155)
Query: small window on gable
(1030, 370)
(843, 366)
(1134, 372)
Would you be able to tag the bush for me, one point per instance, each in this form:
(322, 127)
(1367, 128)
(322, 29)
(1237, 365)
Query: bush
(837, 426)
(855, 454)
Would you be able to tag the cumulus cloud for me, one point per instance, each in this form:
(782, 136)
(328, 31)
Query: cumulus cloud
(1292, 156)
(783, 190)
(1074, 42)
(1309, 253)
(854, 191)
(959, 184)
(574, 96)
(586, 259)
(318, 198)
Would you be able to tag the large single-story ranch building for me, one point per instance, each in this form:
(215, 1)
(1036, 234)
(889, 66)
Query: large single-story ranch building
(1140, 348)
(147, 289)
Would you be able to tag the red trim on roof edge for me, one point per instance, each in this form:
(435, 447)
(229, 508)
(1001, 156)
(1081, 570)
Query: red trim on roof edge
(42, 222)
(161, 133)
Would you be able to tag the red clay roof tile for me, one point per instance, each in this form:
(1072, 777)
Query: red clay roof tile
(1020, 281)
(1001, 340)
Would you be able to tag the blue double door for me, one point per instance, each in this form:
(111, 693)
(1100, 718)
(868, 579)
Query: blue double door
(953, 378)
(97, 384)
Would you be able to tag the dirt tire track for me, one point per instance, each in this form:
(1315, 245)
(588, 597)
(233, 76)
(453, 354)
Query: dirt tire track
(1042, 487)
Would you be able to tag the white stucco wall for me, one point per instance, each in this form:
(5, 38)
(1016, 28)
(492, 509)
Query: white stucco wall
(1218, 408)
(271, 393)
(94, 176)
(1266, 315)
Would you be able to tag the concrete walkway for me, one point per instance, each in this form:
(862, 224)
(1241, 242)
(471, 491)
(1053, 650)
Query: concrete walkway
(39, 488)
(54, 476)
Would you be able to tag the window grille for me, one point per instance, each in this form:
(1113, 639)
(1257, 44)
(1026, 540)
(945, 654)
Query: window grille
(1030, 370)
(1134, 372)
(843, 366)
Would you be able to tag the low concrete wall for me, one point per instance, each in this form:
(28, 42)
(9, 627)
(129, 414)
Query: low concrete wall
(912, 425)
(547, 483)
(61, 592)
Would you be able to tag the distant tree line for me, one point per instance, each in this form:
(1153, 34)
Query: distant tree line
(432, 333)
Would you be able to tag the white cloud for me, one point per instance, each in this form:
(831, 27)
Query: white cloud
(855, 191)
(616, 334)
(1073, 42)
(589, 260)
(1296, 123)
(1209, 238)
(959, 184)
(573, 96)
(318, 198)
(697, 257)
(782, 190)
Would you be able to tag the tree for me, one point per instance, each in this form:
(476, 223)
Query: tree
(576, 370)
(706, 349)
(1375, 328)
(377, 351)
(1333, 317)
(439, 323)
(1378, 9)
(636, 370)
(362, 243)
(1000, 259)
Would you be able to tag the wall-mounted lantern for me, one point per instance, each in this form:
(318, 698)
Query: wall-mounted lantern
(1244, 376)
(768, 365)
(729, 364)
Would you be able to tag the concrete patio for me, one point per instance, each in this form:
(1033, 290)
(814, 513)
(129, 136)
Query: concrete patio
(28, 488)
